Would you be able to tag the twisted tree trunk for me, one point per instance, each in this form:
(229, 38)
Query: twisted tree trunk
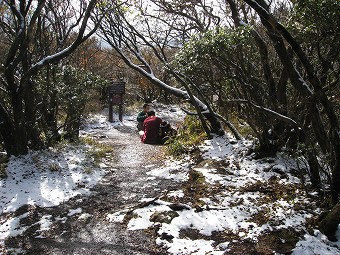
(329, 143)
(19, 125)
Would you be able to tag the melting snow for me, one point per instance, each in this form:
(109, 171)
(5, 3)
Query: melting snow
(36, 179)
(117, 217)
(48, 178)
(143, 216)
(45, 225)
(12, 227)
(316, 244)
(171, 170)
(176, 193)
(74, 212)
(230, 211)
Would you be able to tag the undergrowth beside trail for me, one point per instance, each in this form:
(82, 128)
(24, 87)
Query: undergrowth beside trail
(190, 134)
(97, 150)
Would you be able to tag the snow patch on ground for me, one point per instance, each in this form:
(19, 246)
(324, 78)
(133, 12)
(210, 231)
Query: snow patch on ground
(175, 170)
(46, 178)
(74, 212)
(170, 113)
(11, 227)
(99, 121)
(187, 246)
(45, 223)
(50, 177)
(316, 244)
(142, 221)
(234, 208)
(176, 193)
(117, 217)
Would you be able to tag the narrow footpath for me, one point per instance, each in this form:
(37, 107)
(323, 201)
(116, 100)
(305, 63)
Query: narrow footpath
(125, 185)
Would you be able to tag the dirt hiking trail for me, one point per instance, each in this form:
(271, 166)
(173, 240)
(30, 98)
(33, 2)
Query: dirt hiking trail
(125, 185)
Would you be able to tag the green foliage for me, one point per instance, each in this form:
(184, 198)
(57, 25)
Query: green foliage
(190, 134)
(175, 147)
(76, 86)
(214, 43)
(66, 91)
(226, 62)
(318, 15)
(317, 25)
(241, 125)
(196, 177)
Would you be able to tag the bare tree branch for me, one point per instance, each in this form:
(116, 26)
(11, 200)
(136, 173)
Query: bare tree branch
(268, 111)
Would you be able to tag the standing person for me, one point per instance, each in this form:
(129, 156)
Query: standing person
(142, 116)
(151, 128)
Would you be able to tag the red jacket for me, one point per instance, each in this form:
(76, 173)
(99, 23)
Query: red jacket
(151, 130)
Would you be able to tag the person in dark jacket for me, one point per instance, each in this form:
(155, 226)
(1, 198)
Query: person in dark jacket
(151, 129)
(142, 116)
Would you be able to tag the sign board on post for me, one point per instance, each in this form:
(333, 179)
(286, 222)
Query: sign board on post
(117, 88)
(116, 91)
(117, 99)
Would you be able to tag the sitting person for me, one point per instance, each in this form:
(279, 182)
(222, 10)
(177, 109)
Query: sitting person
(142, 116)
(151, 129)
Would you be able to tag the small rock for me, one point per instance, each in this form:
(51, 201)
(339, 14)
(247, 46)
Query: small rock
(179, 207)
(166, 236)
(279, 169)
(84, 216)
(163, 217)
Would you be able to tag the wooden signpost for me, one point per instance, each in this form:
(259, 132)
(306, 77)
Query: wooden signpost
(116, 91)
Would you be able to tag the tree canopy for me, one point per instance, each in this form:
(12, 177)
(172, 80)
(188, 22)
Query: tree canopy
(270, 68)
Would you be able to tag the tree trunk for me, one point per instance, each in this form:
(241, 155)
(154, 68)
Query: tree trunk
(6, 130)
(49, 107)
(198, 104)
(330, 223)
(72, 122)
(282, 91)
(19, 69)
(19, 131)
(276, 31)
(334, 136)
(314, 170)
(199, 111)
(33, 134)
(268, 148)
